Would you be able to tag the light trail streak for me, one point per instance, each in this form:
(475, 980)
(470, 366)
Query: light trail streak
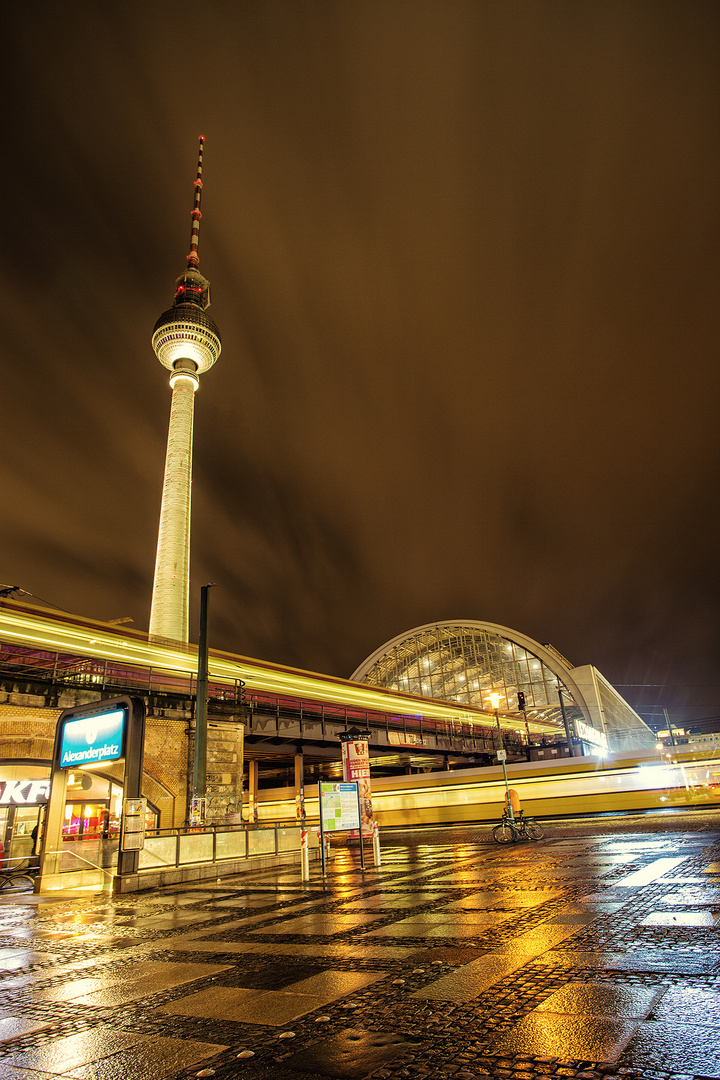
(92, 640)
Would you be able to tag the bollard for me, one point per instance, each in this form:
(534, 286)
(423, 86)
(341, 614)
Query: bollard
(304, 855)
(376, 843)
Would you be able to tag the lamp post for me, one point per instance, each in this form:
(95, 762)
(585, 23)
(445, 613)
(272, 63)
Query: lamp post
(495, 702)
(571, 745)
(669, 726)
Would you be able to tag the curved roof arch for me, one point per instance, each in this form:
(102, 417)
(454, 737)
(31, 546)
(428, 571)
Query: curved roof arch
(546, 653)
(466, 659)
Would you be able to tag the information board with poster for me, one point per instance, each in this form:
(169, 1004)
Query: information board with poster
(338, 807)
(339, 812)
(356, 770)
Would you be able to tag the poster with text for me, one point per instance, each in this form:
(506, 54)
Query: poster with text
(338, 806)
(356, 769)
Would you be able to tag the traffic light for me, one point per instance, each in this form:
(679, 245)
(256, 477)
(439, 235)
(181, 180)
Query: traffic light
(521, 701)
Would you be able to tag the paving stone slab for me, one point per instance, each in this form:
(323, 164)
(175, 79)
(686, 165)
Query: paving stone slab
(602, 999)
(67, 1053)
(317, 924)
(17, 959)
(14, 1027)
(700, 1004)
(675, 1047)
(350, 1055)
(673, 961)
(274, 1007)
(681, 918)
(584, 1038)
(154, 1058)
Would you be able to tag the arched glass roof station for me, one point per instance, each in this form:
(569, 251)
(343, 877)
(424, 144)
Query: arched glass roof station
(467, 661)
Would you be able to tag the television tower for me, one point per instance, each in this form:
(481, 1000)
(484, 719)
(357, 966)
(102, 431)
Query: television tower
(187, 342)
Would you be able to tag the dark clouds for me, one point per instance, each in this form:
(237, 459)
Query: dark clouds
(464, 263)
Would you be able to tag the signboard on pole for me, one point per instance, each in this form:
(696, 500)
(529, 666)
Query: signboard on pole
(339, 810)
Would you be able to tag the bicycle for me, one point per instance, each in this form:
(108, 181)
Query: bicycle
(509, 830)
(17, 878)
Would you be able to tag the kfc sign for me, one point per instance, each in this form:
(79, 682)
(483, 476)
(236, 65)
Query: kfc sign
(24, 792)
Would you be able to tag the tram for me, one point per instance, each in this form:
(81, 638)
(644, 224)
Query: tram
(568, 787)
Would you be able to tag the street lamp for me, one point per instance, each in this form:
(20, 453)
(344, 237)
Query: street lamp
(571, 745)
(501, 754)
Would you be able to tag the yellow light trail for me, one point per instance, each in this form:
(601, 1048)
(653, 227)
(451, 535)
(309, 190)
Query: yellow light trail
(42, 630)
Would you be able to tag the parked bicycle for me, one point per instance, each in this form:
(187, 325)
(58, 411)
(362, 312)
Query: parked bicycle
(516, 828)
(17, 878)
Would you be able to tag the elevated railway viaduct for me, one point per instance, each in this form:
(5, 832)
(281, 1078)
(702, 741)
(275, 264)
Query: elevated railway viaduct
(264, 720)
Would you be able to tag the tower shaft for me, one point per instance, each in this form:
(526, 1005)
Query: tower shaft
(171, 583)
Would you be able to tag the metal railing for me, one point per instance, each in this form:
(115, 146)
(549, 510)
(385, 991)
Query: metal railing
(171, 848)
(21, 663)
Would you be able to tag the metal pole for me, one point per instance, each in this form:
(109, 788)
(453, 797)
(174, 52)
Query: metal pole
(501, 755)
(669, 725)
(200, 763)
(362, 852)
(527, 726)
(571, 748)
(323, 855)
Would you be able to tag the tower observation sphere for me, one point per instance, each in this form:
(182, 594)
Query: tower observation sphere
(186, 341)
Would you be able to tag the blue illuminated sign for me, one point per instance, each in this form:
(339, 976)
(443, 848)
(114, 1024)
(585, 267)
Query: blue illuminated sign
(92, 739)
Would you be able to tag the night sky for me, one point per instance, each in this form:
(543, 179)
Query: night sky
(464, 260)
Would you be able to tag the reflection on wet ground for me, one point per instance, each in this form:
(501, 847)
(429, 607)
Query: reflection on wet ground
(593, 952)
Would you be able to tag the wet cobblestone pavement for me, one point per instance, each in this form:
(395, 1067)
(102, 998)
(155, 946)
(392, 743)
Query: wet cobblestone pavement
(591, 953)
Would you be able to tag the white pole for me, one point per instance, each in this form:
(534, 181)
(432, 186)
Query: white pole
(304, 855)
(376, 843)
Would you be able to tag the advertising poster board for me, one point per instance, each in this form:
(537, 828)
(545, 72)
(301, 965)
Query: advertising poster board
(356, 770)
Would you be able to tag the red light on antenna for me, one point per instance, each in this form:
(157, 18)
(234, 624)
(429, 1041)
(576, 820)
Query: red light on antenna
(202, 138)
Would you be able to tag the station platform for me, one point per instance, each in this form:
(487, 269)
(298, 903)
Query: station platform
(593, 952)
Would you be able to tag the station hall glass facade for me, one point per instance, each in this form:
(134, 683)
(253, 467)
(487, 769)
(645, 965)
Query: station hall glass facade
(468, 661)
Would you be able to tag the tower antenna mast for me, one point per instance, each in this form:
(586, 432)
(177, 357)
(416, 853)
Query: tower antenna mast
(193, 258)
